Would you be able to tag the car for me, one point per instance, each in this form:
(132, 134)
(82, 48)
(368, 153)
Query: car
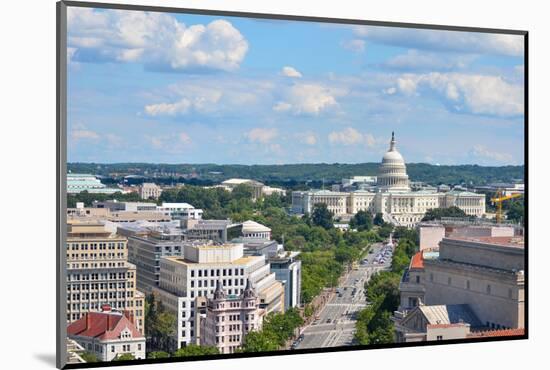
(301, 337)
(328, 321)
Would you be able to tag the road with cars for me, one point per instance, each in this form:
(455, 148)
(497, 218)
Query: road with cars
(334, 326)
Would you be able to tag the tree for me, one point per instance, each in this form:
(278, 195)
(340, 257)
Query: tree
(124, 357)
(378, 219)
(516, 212)
(438, 213)
(89, 357)
(321, 216)
(158, 354)
(260, 341)
(196, 350)
(362, 221)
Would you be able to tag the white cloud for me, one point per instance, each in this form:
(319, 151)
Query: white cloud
(290, 72)
(480, 151)
(179, 107)
(172, 143)
(355, 45)
(478, 94)
(209, 95)
(467, 42)
(308, 138)
(191, 98)
(417, 61)
(83, 134)
(350, 136)
(261, 135)
(309, 98)
(390, 90)
(157, 40)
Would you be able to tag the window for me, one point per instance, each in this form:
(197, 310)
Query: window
(112, 348)
(440, 337)
(418, 279)
(468, 284)
(488, 288)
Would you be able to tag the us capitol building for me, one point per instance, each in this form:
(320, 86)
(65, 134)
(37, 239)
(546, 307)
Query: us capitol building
(392, 196)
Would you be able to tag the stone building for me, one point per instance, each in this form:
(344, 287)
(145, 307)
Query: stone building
(230, 317)
(392, 196)
(149, 190)
(483, 272)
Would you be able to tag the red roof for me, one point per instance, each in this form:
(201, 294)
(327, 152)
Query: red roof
(417, 261)
(102, 325)
(443, 326)
(498, 333)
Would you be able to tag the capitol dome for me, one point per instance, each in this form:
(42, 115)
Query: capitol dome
(392, 173)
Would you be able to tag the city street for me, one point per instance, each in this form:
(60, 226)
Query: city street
(335, 325)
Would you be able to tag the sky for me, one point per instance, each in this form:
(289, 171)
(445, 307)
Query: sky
(173, 88)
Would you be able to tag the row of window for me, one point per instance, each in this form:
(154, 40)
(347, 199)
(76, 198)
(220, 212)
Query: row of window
(217, 272)
(102, 286)
(100, 276)
(95, 246)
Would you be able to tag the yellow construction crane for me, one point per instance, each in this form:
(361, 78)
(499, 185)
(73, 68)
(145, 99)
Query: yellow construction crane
(498, 199)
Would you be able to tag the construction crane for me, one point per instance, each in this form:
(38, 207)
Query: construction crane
(498, 199)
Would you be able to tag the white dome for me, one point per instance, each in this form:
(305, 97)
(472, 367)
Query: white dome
(393, 156)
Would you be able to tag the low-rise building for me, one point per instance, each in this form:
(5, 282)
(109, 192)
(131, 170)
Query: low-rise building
(149, 190)
(108, 334)
(229, 318)
(180, 211)
(79, 182)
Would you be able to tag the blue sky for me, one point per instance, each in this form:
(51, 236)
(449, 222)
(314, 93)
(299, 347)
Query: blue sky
(166, 88)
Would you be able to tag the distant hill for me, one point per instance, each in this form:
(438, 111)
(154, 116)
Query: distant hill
(329, 173)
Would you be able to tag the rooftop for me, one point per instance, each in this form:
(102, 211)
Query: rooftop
(504, 241)
(244, 260)
(450, 314)
(102, 325)
(497, 333)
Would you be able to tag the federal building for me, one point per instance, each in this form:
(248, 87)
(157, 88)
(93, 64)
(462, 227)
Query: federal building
(392, 196)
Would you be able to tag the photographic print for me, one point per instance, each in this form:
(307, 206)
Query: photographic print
(239, 185)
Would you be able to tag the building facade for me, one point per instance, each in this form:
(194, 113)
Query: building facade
(98, 273)
(483, 272)
(229, 318)
(392, 196)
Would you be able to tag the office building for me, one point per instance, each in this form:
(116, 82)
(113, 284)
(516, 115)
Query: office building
(98, 273)
(149, 190)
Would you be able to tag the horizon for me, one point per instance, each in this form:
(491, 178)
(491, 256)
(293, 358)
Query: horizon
(284, 164)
